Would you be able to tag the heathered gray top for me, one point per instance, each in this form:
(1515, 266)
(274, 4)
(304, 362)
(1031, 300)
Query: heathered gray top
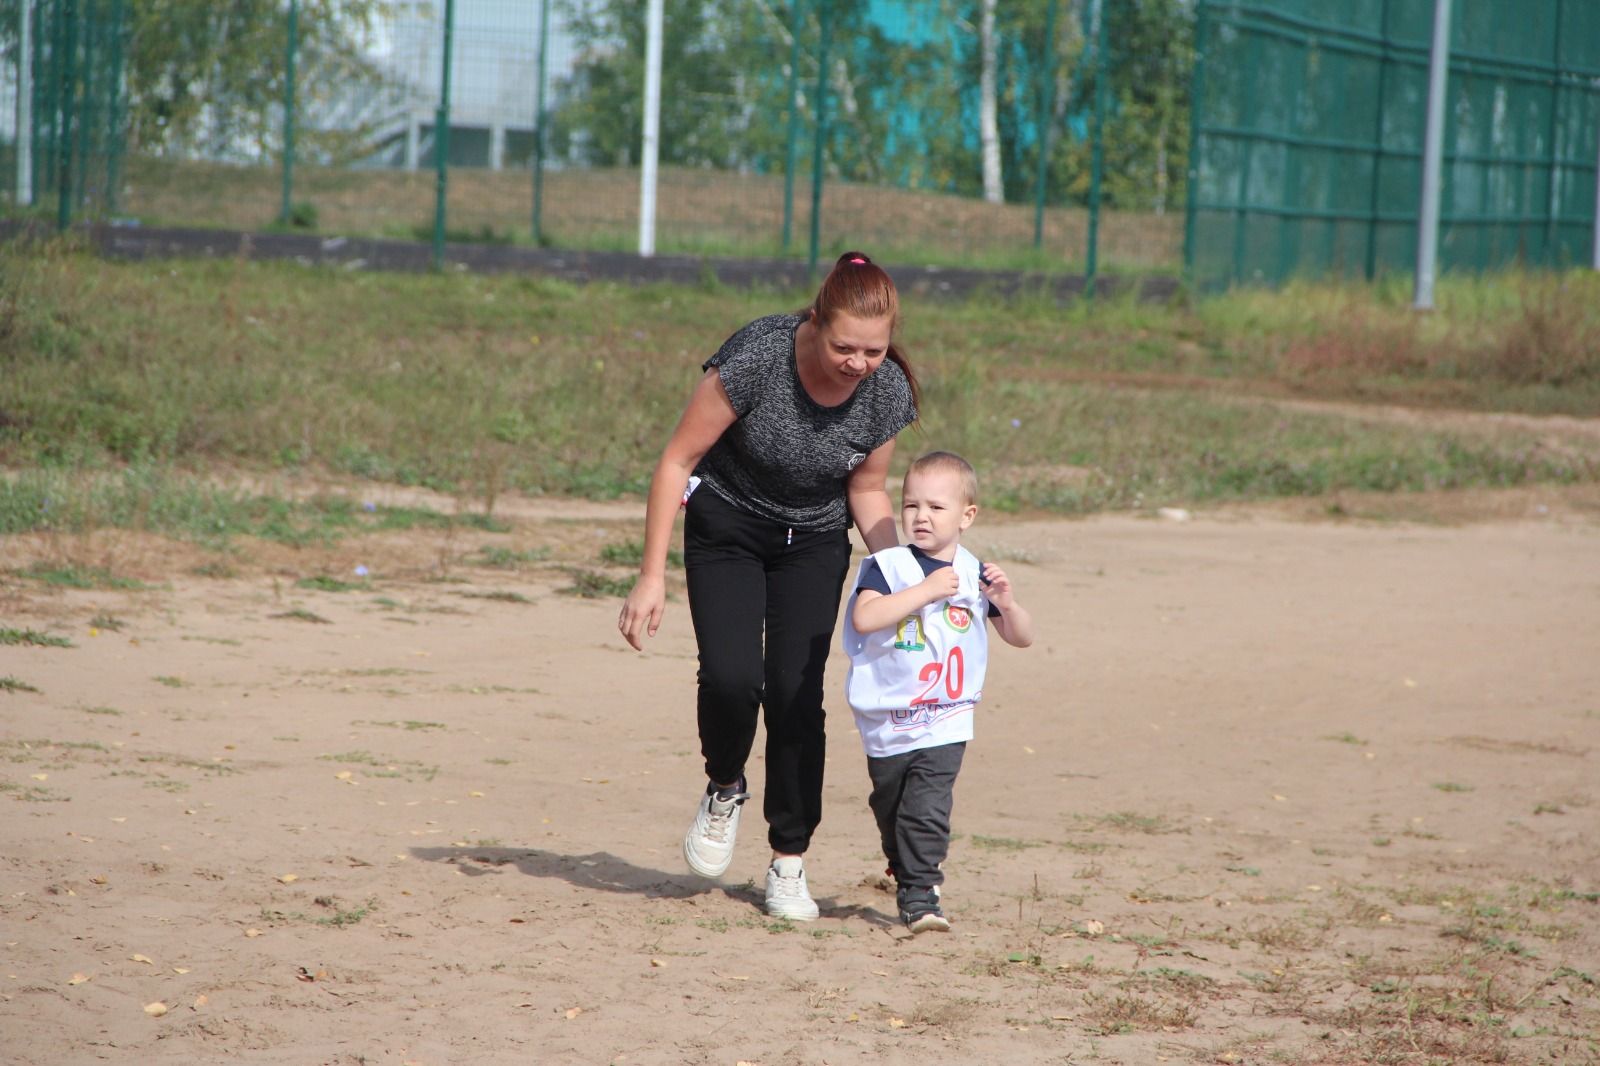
(787, 457)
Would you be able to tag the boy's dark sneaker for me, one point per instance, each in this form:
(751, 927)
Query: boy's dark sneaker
(919, 909)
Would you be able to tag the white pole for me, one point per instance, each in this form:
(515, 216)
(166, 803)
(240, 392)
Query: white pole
(1596, 252)
(1432, 158)
(652, 129)
(24, 107)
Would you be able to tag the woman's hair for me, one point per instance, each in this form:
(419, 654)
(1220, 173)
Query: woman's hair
(858, 287)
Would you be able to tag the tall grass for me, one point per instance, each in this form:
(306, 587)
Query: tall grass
(160, 372)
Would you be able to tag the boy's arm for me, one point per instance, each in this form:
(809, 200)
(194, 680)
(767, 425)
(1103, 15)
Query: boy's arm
(1014, 623)
(874, 610)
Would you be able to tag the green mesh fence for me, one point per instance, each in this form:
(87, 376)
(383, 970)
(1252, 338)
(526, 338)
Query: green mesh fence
(959, 132)
(1309, 129)
(68, 135)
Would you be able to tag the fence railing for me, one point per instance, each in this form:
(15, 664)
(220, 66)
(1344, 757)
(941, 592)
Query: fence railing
(1309, 137)
(929, 131)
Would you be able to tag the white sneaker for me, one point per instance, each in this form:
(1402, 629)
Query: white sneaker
(787, 895)
(708, 846)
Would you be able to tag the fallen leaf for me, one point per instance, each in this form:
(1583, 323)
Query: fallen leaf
(78, 978)
(1094, 927)
(155, 1010)
(200, 1001)
(141, 958)
(252, 932)
(476, 794)
(97, 880)
(119, 820)
(41, 777)
(658, 963)
(180, 969)
(1280, 799)
(344, 775)
(897, 1023)
(573, 1012)
(289, 879)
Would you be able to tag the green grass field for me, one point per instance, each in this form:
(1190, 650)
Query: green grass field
(130, 387)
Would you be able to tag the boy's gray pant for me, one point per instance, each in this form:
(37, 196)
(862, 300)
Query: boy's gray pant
(912, 794)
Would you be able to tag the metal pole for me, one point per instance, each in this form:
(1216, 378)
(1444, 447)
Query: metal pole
(85, 109)
(1432, 158)
(825, 24)
(67, 21)
(1552, 143)
(650, 151)
(1371, 265)
(291, 42)
(538, 124)
(116, 112)
(24, 106)
(797, 21)
(1047, 109)
(441, 137)
(1594, 253)
(1192, 175)
(1102, 77)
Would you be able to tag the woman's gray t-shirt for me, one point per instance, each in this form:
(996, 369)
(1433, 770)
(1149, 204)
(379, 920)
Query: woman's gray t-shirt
(787, 457)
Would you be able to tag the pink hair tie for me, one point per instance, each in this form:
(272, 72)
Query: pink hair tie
(859, 261)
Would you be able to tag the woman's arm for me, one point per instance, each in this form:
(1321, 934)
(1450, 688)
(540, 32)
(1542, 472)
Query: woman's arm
(869, 499)
(706, 418)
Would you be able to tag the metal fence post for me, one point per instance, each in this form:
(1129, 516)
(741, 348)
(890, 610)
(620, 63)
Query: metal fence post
(1047, 108)
(1192, 177)
(650, 151)
(825, 22)
(441, 137)
(792, 141)
(1432, 158)
(66, 37)
(24, 142)
(1102, 76)
(116, 109)
(1594, 251)
(538, 124)
(291, 43)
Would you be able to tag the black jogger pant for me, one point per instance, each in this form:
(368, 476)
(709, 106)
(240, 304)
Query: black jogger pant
(912, 796)
(764, 603)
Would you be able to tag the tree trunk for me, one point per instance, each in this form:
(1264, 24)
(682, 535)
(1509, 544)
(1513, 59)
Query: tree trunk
(988, 125)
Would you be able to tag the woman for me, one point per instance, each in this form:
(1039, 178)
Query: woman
(784, 443)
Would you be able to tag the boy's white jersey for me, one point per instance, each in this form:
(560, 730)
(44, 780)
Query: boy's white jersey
(915, 685)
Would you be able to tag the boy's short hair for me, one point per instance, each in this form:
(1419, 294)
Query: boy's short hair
(952, 462)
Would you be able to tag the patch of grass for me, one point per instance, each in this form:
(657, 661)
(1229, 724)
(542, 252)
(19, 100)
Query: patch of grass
(1452, 786)
(1126, 1013)
(300, 614)
(171, 681)
(1345, 738)
(384, 767)
(324, 583)
(1002, 843)
(1132, 822)
(102, 710)
(409, 725)
(15, 684)
(506, 559)
(499, 596)
(34, 637)
(31, 793)
(589, 585)
(110, 623)
(631, 553)
(78, 577)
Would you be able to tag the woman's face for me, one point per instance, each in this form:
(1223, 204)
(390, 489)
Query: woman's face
(849, 348)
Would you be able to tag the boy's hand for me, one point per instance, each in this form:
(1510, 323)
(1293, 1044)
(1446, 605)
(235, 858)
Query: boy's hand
(999, 590)
(941, 584)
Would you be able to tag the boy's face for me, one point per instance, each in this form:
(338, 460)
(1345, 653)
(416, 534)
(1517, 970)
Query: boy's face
(934, 511)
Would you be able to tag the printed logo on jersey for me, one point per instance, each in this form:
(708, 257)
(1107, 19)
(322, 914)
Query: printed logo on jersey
(856, 459)
(957, 618)
(908, 634)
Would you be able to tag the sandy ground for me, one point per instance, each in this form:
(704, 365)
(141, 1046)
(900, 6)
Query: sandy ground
(1265, 790)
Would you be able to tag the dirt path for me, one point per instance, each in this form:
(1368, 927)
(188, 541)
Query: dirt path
(1265, 791)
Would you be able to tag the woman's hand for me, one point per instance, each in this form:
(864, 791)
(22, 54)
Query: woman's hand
(642, 610)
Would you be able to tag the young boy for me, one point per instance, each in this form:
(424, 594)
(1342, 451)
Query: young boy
(918, 647)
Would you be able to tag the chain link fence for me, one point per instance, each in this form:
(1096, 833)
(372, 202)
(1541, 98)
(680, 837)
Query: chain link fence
(1309, 136)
